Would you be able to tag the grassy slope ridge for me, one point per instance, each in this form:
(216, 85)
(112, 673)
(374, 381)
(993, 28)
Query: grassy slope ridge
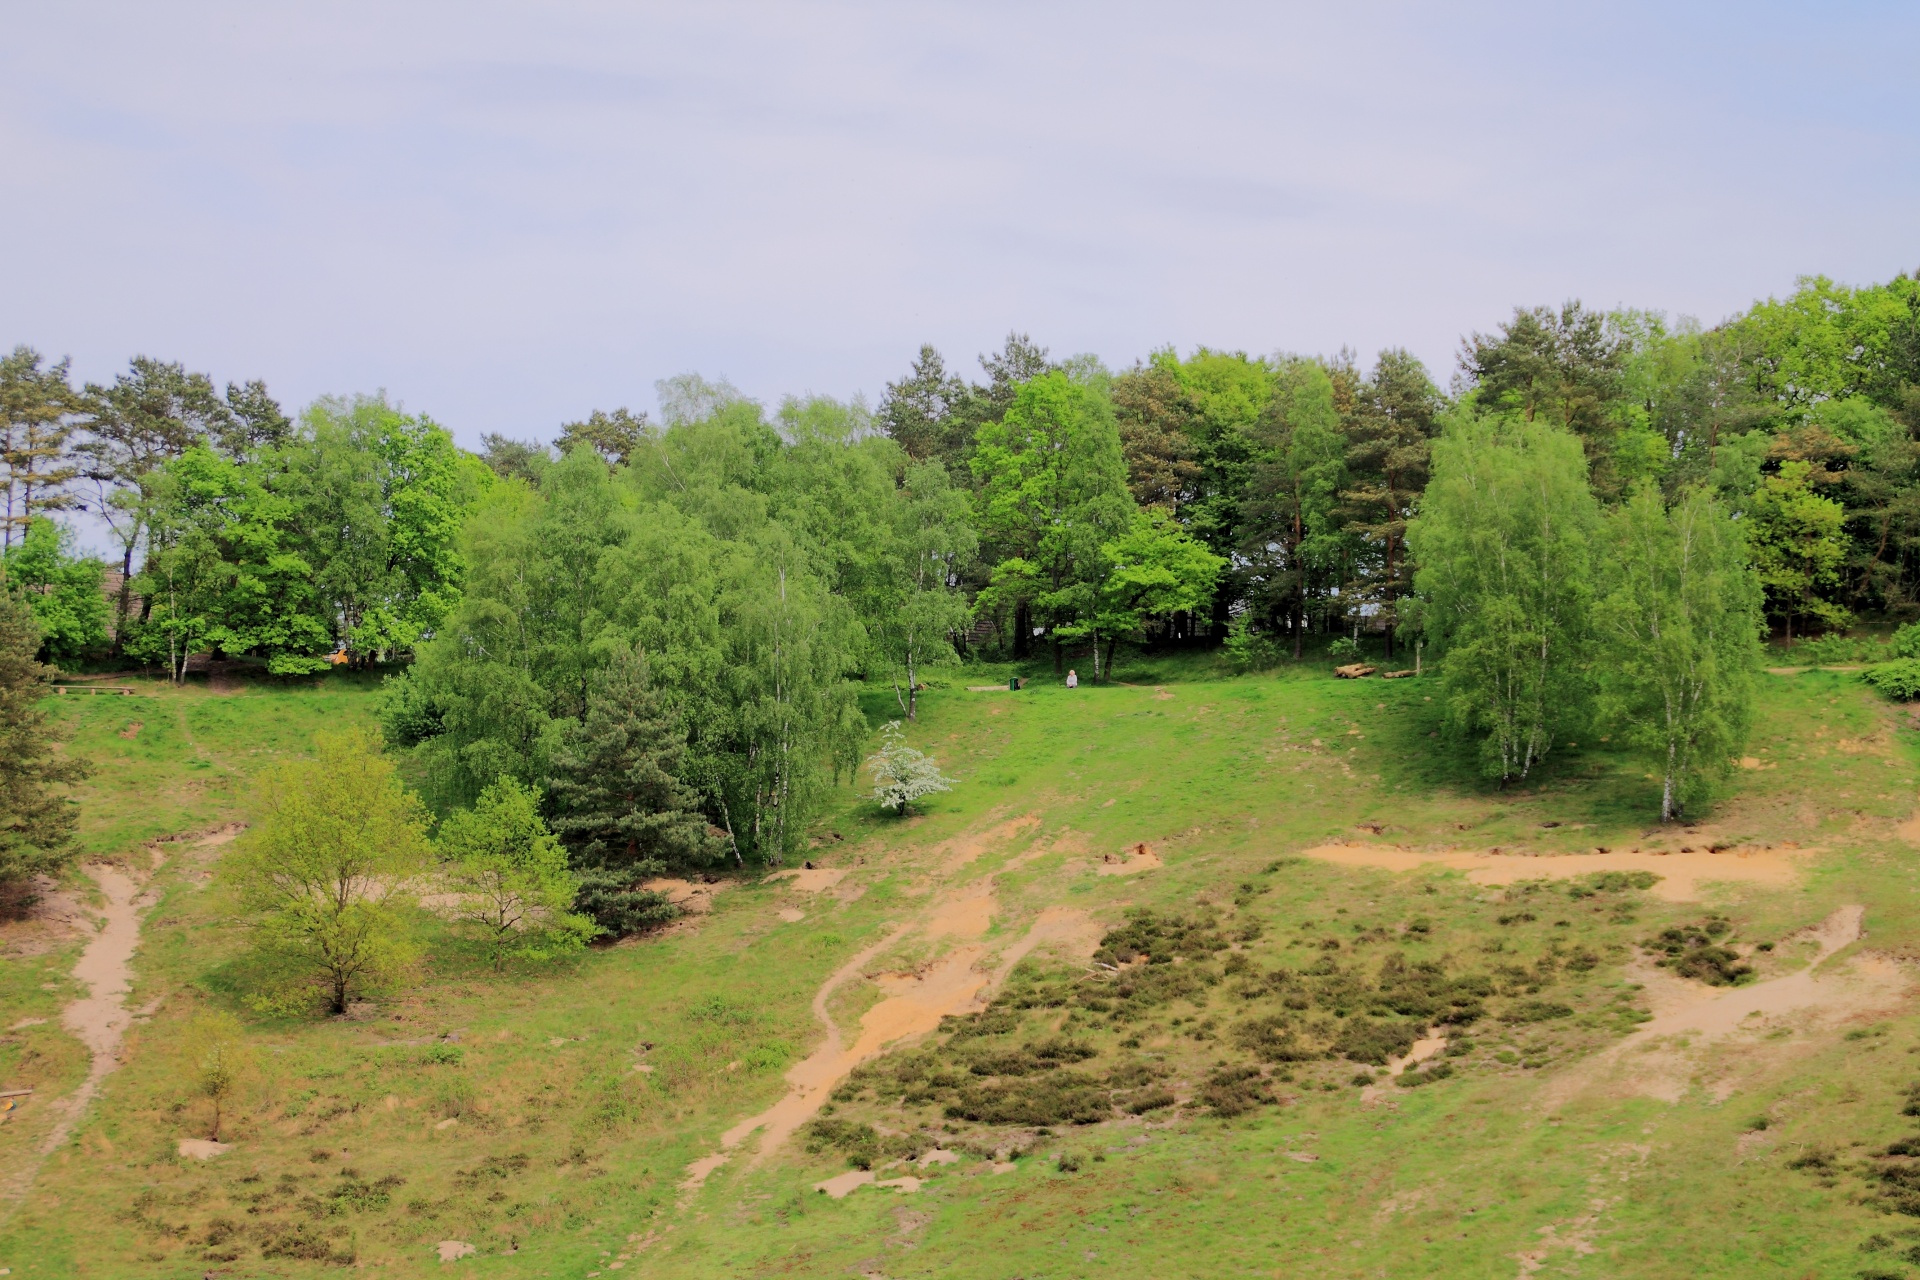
(508, 1112)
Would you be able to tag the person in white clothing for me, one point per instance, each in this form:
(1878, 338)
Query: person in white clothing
(1073, 679)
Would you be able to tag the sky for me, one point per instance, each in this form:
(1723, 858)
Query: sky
(507, 215)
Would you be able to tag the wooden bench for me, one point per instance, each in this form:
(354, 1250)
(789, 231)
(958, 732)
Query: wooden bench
(124, 690)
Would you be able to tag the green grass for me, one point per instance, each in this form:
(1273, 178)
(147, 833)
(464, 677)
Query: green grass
(563, 1151)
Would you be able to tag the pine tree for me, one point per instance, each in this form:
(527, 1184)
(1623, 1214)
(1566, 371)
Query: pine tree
(36, 421)
(620, 804)
(36, 819)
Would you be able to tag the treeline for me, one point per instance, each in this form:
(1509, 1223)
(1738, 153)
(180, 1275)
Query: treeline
(239, 531)
(1580, 530)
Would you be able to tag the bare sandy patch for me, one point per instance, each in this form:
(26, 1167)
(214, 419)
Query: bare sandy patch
(693, 898)
(453, 1250)
(967, 914)
(203, 1148)
(1139, 857)
(811, 879)
(99, 1019)
(1681, 873)
(792, 915)
(843, 1185)
(1662, 1058)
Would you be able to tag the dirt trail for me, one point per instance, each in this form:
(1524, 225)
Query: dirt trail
(1654, 1060)
(100, 1018)
(956, 982)
(1681, 874)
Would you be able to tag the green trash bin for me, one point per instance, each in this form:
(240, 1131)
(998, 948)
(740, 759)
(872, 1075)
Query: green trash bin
(1014, 684)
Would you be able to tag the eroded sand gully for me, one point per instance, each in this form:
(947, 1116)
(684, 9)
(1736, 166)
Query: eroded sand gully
(99, 1019)
(1681, 874)
(957, 982)
(1657, 1059)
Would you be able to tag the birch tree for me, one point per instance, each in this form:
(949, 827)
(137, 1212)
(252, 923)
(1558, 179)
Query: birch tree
(1506, 541)
(933, 543)
(1680, 631)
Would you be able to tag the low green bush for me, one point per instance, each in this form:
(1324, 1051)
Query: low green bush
(1899, 680)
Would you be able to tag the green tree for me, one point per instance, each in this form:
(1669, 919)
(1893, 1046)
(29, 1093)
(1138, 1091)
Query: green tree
(214, 1060)
(1505, 543)
(614, 436)
(619, 801)
(36, 817)
(225, 572)
(326, 874)
(378, 498)
(925, 412)
(512, 877)
(37, 422)
(63, 589)
(153, 412)
(932, 543)
(1290, 519)
(1562, 367)
(511, 459)
(1799, 547)
(1679, 638)
(1157, 420)
(1053, 491)
(1157, 570)
(1389, 437)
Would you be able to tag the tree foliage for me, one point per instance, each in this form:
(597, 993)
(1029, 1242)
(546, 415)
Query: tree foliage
(63, 589)
(1679, 638)
(37, 819)
(1506, 541)
(327, 872)
(511, 877)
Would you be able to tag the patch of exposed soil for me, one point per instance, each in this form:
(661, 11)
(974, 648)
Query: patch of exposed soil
(1140, 857)
(811, 879)
(956, 982)
(1681, 873)
(99, 1019)
(692, 898)
(1662, 1059)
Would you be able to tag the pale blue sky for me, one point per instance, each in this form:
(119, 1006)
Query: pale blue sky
(509, 214)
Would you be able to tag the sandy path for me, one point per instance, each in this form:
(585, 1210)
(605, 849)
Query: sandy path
(1655, 1060)
(957, 981)
(99, 1019)
(1681, 874)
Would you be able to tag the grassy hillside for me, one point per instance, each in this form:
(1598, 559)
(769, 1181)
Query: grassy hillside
(1185, 1074)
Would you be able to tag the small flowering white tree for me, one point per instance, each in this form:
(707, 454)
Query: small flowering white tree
(902, 774)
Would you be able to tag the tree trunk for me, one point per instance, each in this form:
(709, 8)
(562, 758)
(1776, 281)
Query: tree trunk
(1022, 631)
(1667, 811)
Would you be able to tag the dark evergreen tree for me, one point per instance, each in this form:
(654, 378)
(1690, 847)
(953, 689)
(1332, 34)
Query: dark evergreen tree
(918, 410)
(36, 818)
(620, 807)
